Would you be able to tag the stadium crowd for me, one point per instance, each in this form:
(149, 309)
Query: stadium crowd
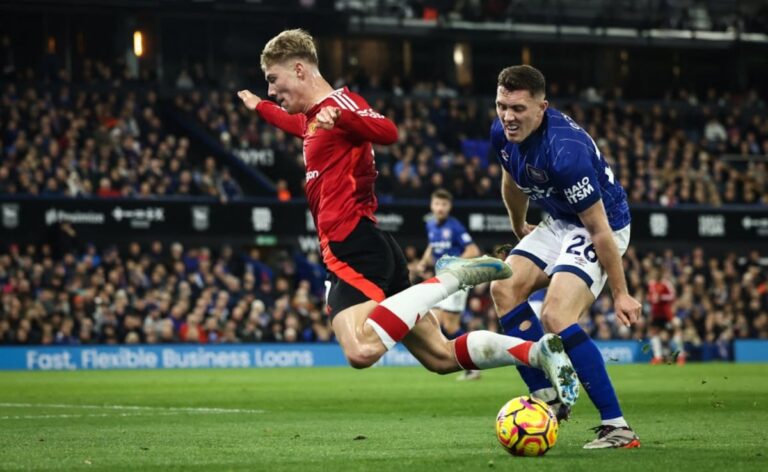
(106, 137)
(681, 150)
(81, 143)
(162, 294)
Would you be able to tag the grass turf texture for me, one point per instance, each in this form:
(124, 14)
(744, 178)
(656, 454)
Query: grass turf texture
(699, 417)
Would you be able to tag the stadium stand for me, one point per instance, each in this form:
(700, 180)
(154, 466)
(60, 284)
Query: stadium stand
(168, 293)
(111, 143)
(105, 131)
(671, 151)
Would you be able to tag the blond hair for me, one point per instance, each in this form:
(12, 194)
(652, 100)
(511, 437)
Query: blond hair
(290, 44)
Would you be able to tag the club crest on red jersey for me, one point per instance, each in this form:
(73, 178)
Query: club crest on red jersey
(311, 127)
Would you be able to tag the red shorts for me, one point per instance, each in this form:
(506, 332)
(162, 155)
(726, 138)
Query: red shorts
(367, 265)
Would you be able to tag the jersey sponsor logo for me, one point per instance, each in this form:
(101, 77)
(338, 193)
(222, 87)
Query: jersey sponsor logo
(441, 246)
(579, 191)
(312, 174)
(537, 175)
(537, 193)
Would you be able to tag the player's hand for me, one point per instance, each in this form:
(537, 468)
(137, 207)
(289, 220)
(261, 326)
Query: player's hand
(327, 116)
(249, 100)
(524, 231)
(627, 309)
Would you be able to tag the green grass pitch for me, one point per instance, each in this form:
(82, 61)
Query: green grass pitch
(698, 417)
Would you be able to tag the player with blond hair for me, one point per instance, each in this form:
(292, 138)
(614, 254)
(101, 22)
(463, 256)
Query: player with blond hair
(369, 298)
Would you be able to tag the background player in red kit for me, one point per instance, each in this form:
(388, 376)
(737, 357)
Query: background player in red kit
(369, 297)
(664, 325)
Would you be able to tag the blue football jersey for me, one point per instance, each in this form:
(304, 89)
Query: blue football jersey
(449, 237)
(561, 170)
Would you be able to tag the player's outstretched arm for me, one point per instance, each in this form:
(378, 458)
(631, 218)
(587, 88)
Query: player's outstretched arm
(517, 206)
(273, 114)
(596, 222)
(250, 100)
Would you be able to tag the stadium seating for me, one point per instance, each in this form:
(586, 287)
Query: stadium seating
(161, 294)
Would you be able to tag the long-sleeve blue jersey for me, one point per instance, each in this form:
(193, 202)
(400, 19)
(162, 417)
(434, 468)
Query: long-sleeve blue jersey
(561, 170)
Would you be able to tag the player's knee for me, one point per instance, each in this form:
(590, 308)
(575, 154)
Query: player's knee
(553, 317)
(362, 357)
(509, 293)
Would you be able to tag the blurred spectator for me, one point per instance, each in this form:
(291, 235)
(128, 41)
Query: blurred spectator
(60, 141)
(666, 154)
(145, 295)
(200, 295)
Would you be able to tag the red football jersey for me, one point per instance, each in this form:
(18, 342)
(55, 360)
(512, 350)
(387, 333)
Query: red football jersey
(339, 162)
(661, 295)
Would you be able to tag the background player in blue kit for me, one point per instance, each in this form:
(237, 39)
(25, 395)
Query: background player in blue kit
(550, 160)
(447, 236)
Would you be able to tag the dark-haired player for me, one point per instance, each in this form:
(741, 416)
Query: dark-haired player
(552, 161)
(447, 236)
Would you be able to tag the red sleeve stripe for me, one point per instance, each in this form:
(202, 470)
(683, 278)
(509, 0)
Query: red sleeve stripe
(462, 353)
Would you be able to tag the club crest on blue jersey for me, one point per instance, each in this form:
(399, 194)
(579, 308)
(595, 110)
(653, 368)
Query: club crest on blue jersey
(558, 185)
(536, 175)
(447, 233)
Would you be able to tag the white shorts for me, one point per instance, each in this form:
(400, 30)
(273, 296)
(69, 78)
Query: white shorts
(556, 246)
(455, 302)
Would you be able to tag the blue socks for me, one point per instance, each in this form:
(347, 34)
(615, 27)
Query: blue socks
(584, 354)
(510, 324)
(590, 367)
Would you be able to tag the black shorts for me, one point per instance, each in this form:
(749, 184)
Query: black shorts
(367, 265)
(661, 323)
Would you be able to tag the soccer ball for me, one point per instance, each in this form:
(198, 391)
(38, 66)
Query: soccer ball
(526, 426)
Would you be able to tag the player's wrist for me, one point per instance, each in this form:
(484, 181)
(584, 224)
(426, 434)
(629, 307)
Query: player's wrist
(619, 293)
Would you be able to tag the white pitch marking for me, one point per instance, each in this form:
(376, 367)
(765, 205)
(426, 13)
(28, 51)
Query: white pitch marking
(131, 407)
(92, 415)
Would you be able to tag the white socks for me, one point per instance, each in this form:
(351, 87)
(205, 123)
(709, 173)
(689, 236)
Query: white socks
(394, 317)
(485, 350)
